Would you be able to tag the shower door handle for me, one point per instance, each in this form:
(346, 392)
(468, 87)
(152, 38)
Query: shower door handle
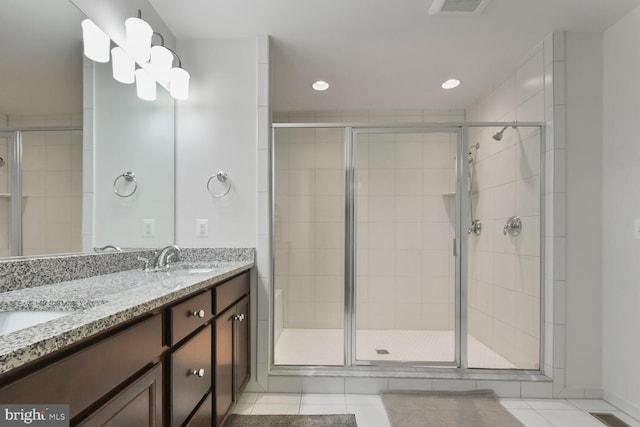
(455, 247)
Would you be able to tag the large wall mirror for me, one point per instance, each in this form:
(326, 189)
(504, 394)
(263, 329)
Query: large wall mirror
(57, 174)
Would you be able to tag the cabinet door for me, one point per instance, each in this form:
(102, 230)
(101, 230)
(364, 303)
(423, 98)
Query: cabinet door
(223, 371)
(241, 347)
(138, 405)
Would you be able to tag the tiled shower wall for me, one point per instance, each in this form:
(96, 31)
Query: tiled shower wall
(405, 217)
(504, 290)
(52, 192)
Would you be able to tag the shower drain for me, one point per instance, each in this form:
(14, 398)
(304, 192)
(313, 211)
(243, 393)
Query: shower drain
(382, 351)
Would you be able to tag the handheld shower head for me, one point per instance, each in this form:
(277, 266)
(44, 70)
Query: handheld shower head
(498, 135)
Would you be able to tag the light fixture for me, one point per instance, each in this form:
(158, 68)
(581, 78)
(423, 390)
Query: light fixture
(96, 42)
(123, 65)
(450, 84)
(139, 35)
(156, 62)
(179, 83)
(145, 85)
(320, 85)
(161, 62)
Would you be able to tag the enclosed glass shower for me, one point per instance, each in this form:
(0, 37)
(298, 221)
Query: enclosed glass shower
(40, 191)
(376, 261)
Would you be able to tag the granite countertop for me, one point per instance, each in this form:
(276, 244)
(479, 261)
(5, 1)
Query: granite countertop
(99, 303)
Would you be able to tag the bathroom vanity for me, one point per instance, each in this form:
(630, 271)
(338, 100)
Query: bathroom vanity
(172, 349)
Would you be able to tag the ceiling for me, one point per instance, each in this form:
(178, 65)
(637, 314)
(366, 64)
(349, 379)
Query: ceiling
(40, 57)
(386, 54)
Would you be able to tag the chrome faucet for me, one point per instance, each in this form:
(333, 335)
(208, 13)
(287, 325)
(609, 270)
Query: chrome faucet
(167, 254)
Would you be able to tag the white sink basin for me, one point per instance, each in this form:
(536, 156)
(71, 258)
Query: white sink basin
(11, 321)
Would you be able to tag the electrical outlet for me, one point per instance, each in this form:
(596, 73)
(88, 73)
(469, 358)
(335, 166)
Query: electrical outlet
(202, 227)
(636, 229)
(149, 227)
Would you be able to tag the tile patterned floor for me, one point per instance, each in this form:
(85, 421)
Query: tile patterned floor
(370, 412)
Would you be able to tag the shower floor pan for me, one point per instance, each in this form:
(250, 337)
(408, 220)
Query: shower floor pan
(324, 347)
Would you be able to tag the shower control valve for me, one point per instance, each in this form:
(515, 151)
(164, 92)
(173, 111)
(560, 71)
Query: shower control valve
(475, 227)
(513, 226)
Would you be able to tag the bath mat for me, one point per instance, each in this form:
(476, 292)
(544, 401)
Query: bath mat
(348, 420)
(479, 408)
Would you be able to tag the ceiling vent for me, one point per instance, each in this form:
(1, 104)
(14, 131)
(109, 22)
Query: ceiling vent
(457, 7)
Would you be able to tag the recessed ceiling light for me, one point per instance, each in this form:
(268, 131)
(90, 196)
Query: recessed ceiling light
(450, 84)
(320, 85)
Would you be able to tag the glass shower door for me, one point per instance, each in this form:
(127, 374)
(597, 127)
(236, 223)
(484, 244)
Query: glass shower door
(405, 296)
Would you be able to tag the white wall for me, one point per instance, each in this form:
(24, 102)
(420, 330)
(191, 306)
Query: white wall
(583, 59)
(132, 135)
(621, 186)
(216, 130)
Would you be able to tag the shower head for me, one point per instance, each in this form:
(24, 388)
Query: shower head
(498, 135)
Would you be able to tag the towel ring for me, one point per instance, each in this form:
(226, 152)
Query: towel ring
(128, 177)
(224, 179)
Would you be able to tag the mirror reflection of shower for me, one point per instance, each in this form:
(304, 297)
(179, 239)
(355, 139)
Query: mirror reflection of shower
(476, 225)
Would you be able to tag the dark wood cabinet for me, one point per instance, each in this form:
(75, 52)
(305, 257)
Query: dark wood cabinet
(184, 365)
(231, 368)
(223, 365)
(139, 404)
(84, 377)
(242, 354)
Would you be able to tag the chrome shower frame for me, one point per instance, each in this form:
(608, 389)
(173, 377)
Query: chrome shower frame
(400, 369)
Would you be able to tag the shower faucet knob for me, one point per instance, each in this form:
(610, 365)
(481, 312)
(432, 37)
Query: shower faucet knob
(513, 226)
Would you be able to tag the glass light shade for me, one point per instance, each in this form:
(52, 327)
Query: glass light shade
(179, 83)
(161, 61)
(145, 85)
(96, 42)
(139, 35)
(124, 66)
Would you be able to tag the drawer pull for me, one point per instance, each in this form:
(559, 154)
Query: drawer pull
(198, 373)
(239, 317)
(199, 314)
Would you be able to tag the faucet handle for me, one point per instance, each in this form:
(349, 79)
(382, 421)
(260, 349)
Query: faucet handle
(146, 263)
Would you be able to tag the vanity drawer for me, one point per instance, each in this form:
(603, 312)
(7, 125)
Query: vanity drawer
(186, 316)
(187, 386)
(230, 291)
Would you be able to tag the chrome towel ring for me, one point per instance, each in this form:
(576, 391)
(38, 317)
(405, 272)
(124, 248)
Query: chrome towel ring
(128, 177)
(223, 178)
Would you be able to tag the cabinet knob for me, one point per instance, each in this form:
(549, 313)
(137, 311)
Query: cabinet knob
(199, 314)
(198, 373)
(239, 317)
